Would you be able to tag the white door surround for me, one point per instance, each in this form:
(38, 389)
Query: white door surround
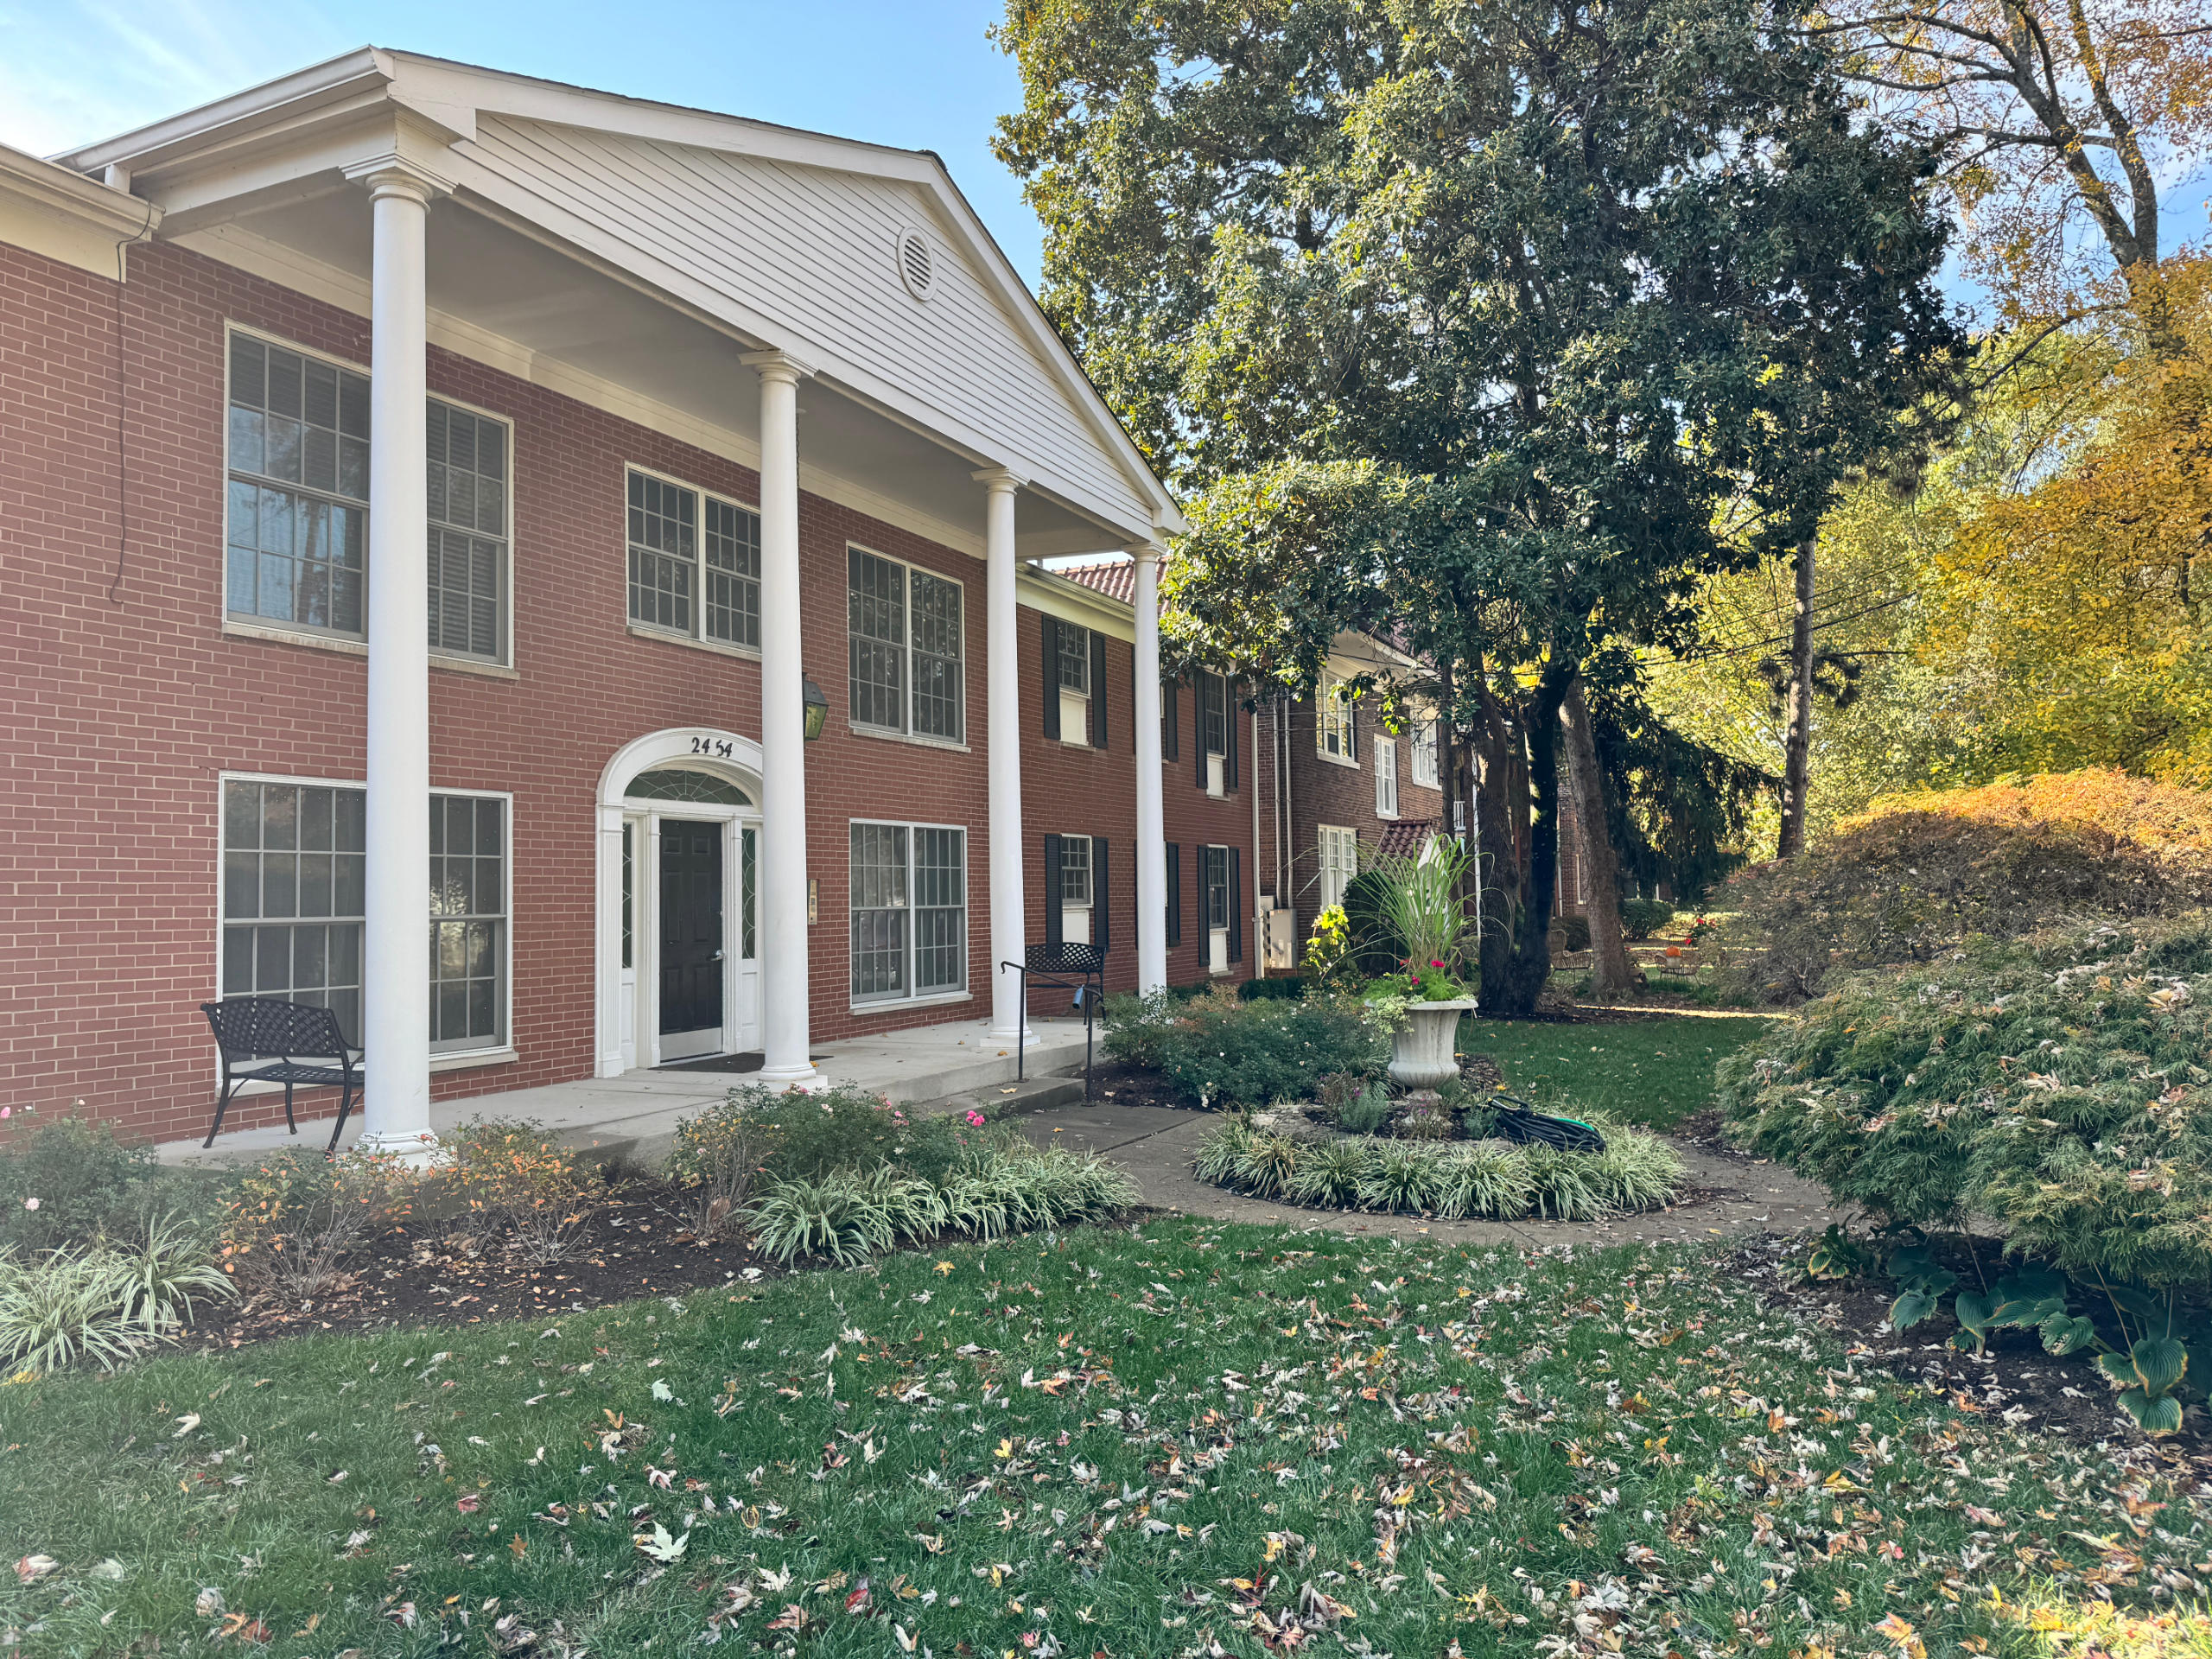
(698, 748)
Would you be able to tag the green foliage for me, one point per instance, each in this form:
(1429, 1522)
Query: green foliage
(1287, 987)
(718, 1157)
(1492, 1180)
(2058, 1086)
(104, 1302)
(1329, 957)
(1573, 931)
(1219, 1052)
(1425, 1119)
(70, 1182)
(1422, 898)
(534, 1193)
(1641, 918)
(1922, 875)
(1837, 1256)
(1649, 1071)
(1360, 1105)
(1001, 1185)
(1376, 945)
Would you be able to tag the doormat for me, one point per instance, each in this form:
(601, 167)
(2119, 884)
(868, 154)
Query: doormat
(750, 1060)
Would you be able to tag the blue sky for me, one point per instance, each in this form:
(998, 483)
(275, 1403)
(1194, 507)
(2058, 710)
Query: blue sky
(921, 76)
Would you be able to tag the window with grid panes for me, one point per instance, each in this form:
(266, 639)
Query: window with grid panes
(1075, 869)
(1074, 657)
(1424, 756)
(468, 921)
(1332, 723)
(940, 910)
(878, 911)
(1339, 863)
(294, 859)
(298, 510)
(1213, 711)
(1385, 751)
(664, 552)
(733, 544)
(905, 648)
(1217, 886)
(467, 493)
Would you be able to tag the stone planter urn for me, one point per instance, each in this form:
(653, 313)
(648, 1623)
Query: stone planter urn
(1421, 1050)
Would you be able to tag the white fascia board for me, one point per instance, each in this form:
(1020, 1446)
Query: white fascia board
(35, 192)
(274, 104)
(1055, 596)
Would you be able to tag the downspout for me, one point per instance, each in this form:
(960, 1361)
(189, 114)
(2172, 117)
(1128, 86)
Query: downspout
(1258, 933)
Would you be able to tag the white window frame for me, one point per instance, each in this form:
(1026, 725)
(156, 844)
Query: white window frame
(505, 656)
(441, 1060)
(242, 623)
(1089, 877)
(1385, 751)
(1426, 774)
(697, 635)
(905, 732)
(503, 1040)
(1333, 720)
(1075, 706)
(1337, 861)
(250, 624)
(912, 996)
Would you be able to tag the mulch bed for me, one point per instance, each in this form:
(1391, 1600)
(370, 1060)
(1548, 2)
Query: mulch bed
(638, 1244)
(2016, 1384)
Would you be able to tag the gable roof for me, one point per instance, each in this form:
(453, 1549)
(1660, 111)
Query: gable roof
(1117, 579)
(787, 238)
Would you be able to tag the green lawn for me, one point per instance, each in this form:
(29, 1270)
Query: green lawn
(1655, 1071)
(1127, 1442)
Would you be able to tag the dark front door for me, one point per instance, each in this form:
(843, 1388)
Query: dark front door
(690, 928)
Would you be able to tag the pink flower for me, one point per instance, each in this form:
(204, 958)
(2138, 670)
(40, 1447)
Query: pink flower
(975, 1119)
(1436, 965)
(7, 1111)
(30, 1204)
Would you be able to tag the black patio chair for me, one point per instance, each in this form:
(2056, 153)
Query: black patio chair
(264, 1040)
(1071, 967)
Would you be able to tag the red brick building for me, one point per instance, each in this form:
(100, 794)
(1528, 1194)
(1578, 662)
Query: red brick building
(415, 479)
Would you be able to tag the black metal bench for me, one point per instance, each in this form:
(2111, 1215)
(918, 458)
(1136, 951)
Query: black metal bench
(1074, 967)
(265, 1040)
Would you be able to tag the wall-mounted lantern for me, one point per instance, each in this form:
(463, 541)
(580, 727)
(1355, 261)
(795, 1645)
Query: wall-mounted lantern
(817, 708)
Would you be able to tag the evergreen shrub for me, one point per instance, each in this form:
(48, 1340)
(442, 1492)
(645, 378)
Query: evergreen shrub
(1217, 1053)
(1919, 875)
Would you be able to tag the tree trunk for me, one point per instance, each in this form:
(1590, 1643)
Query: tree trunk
(1502, 805)
(1611, 974)
(1797, 742)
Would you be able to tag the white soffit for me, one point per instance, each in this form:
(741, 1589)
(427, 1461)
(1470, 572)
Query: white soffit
(791, 240)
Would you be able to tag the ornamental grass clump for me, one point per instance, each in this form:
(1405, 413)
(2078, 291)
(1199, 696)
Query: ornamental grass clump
(105, 1302)
(1488, 1179)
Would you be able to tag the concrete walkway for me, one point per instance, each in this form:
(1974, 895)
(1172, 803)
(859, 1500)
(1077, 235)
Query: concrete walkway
(1156, 1145)
(634, 1117)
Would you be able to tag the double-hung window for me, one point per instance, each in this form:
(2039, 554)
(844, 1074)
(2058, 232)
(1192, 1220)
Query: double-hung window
(468, 922)
(297, 511)
(1425, 771)
(294, 856)
(905, 634)
(1074, 673)
(1335, 731)
(909, 910)
(694, 563)
(1386, 777)
(298, 507)
(468, 488)
(1339, 863)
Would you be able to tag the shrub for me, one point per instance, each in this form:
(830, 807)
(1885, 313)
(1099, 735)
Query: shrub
(2058, 1085)
(1373, 944)
(514, 1175)
(70, 1181)
(1918, 875)
(717, 1159)
(1359, 1105)
(1221, 1054)
(103, 1302)
(1641, 918)
(1287, 987)
(1574, 932)
(790, 1135)
(288, 1220)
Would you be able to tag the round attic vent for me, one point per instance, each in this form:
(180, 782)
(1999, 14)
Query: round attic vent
(916, 268)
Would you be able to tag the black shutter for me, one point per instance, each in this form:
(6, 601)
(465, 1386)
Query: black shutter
(1102, 910)
(1174, 893)
(1351, 731)
(1170, 746)
(1097, 690)
(1199, 721)
(1052, 934)
(1051, 633)
(1236, 903)
(1228, 725)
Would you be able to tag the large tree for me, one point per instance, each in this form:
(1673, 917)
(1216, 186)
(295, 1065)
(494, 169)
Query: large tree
(1489, 328)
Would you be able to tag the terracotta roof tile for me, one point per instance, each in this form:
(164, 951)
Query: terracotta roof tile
(1405, 837)
(1117, 581)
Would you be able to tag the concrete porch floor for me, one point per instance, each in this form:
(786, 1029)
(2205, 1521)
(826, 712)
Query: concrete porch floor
(633, 1116)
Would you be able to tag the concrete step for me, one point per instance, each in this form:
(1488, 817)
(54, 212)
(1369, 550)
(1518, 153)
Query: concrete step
(1034, 1094)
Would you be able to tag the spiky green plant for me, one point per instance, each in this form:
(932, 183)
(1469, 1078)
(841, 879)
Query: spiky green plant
(1221, 1152)
(68, 1305)
(1483, 1179)
(1330, 1174)
(172, 1266)
(1402, 1177)
(828, 1215)
(1564, 1185)
(1635, 1172)
(1266, 1165)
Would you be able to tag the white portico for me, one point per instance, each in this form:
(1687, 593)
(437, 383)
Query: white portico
(829, 317)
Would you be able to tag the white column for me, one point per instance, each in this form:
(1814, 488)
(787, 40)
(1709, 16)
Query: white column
(784, 1014)
(394, 977)
(1002, 674)
(1152, 833)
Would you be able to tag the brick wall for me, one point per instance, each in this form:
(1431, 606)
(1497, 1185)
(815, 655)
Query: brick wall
(122, 711)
